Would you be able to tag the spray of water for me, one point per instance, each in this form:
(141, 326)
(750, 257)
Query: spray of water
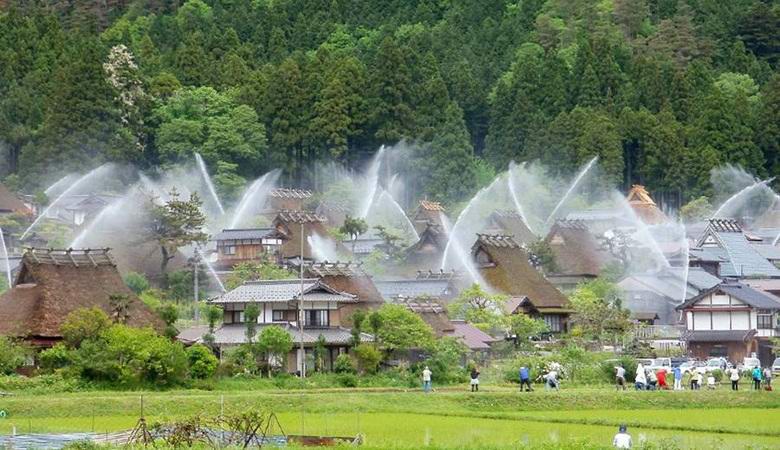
(739, 195)
(110, 211)
(323, 249)
(254, 197)
(386, 201)
(572, 188)
(454, 244)
(372, 180)
(214, 274)
(513, 193)
(207, 179)
(7, 262)
(73, 187)
(60, 184)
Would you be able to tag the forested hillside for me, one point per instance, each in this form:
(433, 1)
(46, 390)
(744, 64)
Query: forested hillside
(662, 90)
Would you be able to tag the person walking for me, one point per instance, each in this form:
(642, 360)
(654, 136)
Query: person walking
(474, 380)
(661, 376)
(640, 380)
(525, 379)
(622, 439)
(768, 378)
(620, 377)
(426, 376)
(551, 380)
(734, 377)
(757, 378)
(677, 378)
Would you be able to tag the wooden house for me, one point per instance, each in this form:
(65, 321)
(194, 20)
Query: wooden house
(350, 278)
(731, 320)
(725, 250)
(53, 283)
(504, 266)
(427, 252)
(235, 246)
(324, 315)
(10, 203)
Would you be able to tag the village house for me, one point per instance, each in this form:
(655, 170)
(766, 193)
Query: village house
(724, 250)
(289, 225)
(10, 203)
(350, 278)
(236, 246)
(731, 320)
(440, 286)
(578, 256)
(79, 209)
(504, 266)
(364, 244)
(511, 223)
(644, 206)
(428, 212)
(53, 283)
(324, 314)
(334, 211)
(427, 252)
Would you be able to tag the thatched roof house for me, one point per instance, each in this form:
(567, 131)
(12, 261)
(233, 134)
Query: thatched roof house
(288, 199)
(427, 252)
(350, 278)
(503, 264)
(288, 226)
(644, 206)
(578, 255)
(53, 283)
(11, 203)
(512, 223)
(428, 212)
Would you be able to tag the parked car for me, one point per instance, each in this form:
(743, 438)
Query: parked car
(713, 364)
(661, 363)
(692, 366)
(776, 367)
(749, 364)
(677, 362)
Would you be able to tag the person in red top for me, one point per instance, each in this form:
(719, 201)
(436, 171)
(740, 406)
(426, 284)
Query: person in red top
(661, 375)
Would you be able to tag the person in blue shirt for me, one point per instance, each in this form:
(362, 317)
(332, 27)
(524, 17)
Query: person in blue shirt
(677, 378)
(525, 379)
(757, 378)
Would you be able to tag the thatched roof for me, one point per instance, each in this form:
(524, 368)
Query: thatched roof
(428, 212)
(576, 250)
(346, 277)
(644, 206)
(510, 222)
(288, 225)
(428, 250)
(10, 203)
(504, 265)
(53, 283)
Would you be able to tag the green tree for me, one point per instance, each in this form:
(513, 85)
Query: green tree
(524, 327)
(276, 343)
(83, 324)
(403, 329)
(368, 358)
(253, 271)
(477, 306)
(696, 210)
(353, 227)
(136, 282)
(12, 356)
(202, 362)
(169, 314)
(251, 313)
(598, 313)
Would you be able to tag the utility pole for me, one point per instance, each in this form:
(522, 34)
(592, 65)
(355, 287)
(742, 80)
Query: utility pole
(195, 287)
(300, 312)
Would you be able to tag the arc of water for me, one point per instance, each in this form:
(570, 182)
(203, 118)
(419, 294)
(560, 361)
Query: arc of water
(739, 194)
(115, 206)
(66, 192)
(572, 188)
(512, 191)
(207, 179)
(58, 184)
(372, 178)
(214, 274)
(383, 194)
(250, 196)
(7, 262)
(686, 266)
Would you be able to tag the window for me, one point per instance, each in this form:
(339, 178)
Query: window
(316, 318)
(237, 316)
(229, 249)
(553, 322)
(764, 322)
(279, 315)
(483, 259)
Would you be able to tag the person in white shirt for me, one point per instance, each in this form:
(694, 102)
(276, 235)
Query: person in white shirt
(620, 378)
(622, 439)
(640, 381)
(426, 376)
(734, 377)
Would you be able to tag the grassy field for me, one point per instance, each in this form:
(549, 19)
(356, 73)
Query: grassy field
(451, 418)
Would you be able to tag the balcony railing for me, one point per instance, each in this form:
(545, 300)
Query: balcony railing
(658, 331)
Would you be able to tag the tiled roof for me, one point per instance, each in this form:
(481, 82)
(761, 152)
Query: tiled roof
(283, 291)
(435, 288)
(718, 335)
(768, 251)
(741, 292)
(571, 224)
(738, 255)
(431, 206)
(300, 216)
(497, 240)
(471, 336)
(291, 193)
(243, 233)
(236, 334)
(422, 306)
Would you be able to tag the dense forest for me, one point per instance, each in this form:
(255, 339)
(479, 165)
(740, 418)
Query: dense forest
(661, 90)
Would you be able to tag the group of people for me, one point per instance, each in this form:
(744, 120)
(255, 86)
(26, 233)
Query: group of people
(648, 379)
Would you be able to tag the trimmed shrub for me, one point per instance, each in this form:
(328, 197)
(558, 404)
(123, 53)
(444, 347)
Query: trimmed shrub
(136, 282)
(344, 364)
(12, 355)
(368, 358)
(202, 362)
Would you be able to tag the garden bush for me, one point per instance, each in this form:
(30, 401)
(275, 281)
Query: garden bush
(202, 362)
(136, 282)
(628, 363)
(344, 364)
(368, 358)
(12, 355)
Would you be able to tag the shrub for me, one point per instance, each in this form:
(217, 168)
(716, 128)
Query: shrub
(445, 361)
(56, 357)
(347, 380)
(718, 375)
(136, 282)
(12, 355)
(628, 363)
(83, 324)
(368, 358)
(202, 362)
(344, 364)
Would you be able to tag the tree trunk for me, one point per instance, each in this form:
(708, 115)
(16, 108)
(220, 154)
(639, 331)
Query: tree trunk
(164, 267)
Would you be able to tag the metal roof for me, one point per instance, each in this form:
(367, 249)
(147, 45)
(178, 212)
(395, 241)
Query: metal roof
(435, 288)
(283, 291)
(243, 233)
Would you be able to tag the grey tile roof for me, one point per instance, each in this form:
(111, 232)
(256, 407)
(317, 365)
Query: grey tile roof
(243, 233)
(283, 291)
(744, 260)
(471, 336)
(741, 292)
(235, 334)
(768, 251)
(413, 288)
(718, 336)
(701, 279)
